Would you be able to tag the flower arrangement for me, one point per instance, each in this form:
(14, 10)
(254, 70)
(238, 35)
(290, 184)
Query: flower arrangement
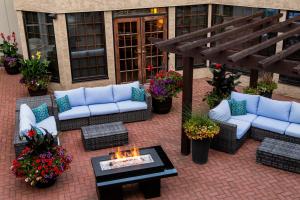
(41, 161)
(35, 74)
(199, 127)
(165, 84)
(223, 83)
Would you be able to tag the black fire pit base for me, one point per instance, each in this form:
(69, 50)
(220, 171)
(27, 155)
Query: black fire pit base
(151, 189)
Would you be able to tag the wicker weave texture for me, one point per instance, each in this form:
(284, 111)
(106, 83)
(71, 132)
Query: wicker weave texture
(34, 102)
(104, 135)
(279, 154)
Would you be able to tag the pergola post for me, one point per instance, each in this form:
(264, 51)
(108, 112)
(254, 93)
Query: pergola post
(253, 78)
(187, 96)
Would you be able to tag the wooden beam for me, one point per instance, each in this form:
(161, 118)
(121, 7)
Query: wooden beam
(248, 37)
(187, 97)
(296, 70)
(256, 48)
(235, 31)
(279, 56)
(199, 33)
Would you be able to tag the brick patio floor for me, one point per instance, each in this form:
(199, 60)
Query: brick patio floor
(223, 177)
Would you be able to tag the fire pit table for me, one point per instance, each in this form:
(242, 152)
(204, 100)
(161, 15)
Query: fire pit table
(146, 169)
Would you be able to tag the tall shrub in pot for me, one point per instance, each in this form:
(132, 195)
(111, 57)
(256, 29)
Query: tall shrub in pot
(200, 129)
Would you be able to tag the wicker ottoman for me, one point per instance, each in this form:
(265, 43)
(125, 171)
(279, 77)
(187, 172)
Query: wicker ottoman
(279, 154)
(104, 135)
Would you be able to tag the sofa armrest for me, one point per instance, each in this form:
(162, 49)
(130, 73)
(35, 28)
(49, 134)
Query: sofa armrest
(55, 112)
(148, 99)
(227, 130)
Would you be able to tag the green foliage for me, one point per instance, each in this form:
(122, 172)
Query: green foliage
(249, 90)
(9, 46)
(266, 87)
(223, 83)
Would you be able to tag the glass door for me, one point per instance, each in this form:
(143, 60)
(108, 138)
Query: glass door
(134, 52)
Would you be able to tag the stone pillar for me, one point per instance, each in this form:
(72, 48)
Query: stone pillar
(172, 33)
(23, 41)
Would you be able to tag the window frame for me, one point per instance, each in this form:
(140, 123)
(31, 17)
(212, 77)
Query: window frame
(94, 77)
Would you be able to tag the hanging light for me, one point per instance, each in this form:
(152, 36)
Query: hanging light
(154, 10)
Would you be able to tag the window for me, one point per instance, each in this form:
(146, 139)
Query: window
(189, 19)
(40, 37)
(295, 56)
(87, 46)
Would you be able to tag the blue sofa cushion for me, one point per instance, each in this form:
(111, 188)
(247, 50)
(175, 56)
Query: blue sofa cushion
(76, 96)
(49, 124)
(274, 109)
(238, 107)
(128, 106)
(242, 127)
(75, 113)
(252, 101)
(247, 118)
(295, 113)
(293, 130)
(123, 92)
(103, 109)
(41, 112)
(221, 112)
(99, 95)
(63, 104)
(269, 124)
(137, 94)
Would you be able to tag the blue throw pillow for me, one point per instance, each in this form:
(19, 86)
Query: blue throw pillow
(137, 94)
(238, 107)
(63, 104)
(41, 112)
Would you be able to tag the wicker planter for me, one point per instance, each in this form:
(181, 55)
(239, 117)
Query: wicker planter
(162, 107)
(47, 184)
(200, 150)
(39, 92)
(12, 70)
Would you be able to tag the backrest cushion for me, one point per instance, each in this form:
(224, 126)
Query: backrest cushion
(123, 92)
(252, 101)
(26, 112)
(76, 96)
(295, 113)
(238, 107)
(274, 109)
(221, 112)
(137, 94)
(99, 95)
(63, 104)
(41, 112)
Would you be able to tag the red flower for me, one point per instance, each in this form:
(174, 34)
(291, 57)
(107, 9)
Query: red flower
(150, 68)
(31, 133)
(218, 66)
(39, 168)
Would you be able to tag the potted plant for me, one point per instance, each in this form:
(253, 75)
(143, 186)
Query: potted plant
(42, 161)
(266, 85)
(10, 57)
(223, 83)
(35, 75)
(200, 129)
(163, 87)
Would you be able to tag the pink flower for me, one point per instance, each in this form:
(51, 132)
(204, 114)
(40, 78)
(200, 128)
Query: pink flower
(8, 38)
(14, 36)
(2, 36)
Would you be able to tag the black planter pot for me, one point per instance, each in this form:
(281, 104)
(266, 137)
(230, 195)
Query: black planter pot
(162, 107)
(40, 92)
(267, 94)
(46, 184)
(12, 70)
(200, 150)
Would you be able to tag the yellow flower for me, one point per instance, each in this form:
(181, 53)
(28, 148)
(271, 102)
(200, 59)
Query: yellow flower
(38, 55)
(32, 57)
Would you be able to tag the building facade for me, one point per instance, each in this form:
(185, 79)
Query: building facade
(92, 43)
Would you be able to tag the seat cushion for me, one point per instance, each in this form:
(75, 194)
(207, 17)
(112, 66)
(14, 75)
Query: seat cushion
(49, 124)
(103, 109)
(252, 101)
(75, 113)
(127, 106)
(269, 124)
(76, 96)
(99, 95)
(293, 130)
(242, 127)
(274, 109)
(247, 118)
(295, 113)
(123, 92)
(221, 112)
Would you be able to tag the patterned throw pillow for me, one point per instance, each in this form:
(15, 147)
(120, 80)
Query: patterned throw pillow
(137, 94)
(238, 107)
(41, 112)
(63, 104)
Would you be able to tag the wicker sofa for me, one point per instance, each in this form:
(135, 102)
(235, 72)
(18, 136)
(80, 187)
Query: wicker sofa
(265, 118)
(101, 105)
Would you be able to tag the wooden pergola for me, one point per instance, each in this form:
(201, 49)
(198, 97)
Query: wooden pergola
(226, 37)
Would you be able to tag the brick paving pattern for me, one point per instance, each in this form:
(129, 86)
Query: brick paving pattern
(223, 177)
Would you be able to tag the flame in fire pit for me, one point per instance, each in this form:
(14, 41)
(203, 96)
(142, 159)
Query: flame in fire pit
(134, 151)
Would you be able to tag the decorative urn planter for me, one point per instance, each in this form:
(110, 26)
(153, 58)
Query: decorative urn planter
(39, 92)
(47, 184)
(162, 107)
(200, 149)
(267, 94)
(12, 70)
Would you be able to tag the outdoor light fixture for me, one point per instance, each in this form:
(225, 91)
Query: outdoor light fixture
(154, 10)
(52, 16)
